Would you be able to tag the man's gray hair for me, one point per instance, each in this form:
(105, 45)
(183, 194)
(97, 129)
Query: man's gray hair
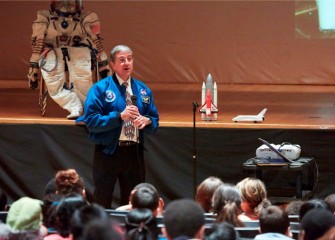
(119, 48)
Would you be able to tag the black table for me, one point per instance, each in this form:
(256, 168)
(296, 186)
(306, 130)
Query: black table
(298, 166)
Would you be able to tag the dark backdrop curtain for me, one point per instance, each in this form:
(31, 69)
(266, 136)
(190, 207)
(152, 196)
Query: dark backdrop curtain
(31, 154)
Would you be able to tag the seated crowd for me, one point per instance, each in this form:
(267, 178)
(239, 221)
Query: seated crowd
(220, 211)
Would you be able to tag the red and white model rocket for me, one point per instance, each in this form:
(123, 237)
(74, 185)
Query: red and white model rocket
(209, 100)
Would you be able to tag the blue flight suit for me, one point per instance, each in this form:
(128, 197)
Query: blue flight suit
(102, 116)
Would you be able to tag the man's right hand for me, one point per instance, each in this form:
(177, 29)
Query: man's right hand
(32, 77)
(130, 111)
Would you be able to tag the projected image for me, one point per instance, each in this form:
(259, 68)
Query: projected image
(315, 19)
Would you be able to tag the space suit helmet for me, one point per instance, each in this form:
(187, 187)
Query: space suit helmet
(66, 7)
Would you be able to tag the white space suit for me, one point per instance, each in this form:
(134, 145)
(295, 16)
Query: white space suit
(66, 43)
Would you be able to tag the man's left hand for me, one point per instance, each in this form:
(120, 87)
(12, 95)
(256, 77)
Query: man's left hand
(141, 122)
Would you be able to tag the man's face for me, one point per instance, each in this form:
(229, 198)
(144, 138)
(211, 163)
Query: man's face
(123, 64)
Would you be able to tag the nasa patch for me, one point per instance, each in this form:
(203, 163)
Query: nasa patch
(143, 91)
(109, 96)
(145, 99)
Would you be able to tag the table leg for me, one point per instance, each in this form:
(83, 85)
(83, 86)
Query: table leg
(259, 174)
(299, 184)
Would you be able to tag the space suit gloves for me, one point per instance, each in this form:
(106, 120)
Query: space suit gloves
(33, 75)
(103, 66)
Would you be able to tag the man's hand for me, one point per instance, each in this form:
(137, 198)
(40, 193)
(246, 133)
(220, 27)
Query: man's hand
(32, 77)
(130, 112)
(141, 122)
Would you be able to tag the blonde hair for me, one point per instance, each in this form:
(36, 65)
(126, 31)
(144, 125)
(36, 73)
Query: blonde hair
(253, 192)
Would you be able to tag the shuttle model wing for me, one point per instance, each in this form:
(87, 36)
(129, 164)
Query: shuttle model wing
(251, 118)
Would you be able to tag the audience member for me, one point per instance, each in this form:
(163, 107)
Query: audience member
(50, 187)
(68, 181)
(102, 229)
(329, 235)
(205, 192)
(226, 204)
(222, 231)
(5, 231)
(145, 197)
(330, 199)
(83, 216)
(25, 218)
(141, 225)
(65, 182)
(25, 235)
(274, 224)
(315, 223)
(183, 219)
(311, 204)
(159, 210)
(3, 201)
(49, 199)
(254, 198)
(293, 207)
(63, 215)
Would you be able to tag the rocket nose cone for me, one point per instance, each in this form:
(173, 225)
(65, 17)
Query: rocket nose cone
(209, 78)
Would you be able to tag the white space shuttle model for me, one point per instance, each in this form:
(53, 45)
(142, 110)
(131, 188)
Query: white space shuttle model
(209, 100)
(251, 118)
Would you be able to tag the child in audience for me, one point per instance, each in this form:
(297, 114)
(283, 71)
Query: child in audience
(311, 204)
(254, 198)
(68, 181)
(64, 211)
(83, 216)
(330, 199)
(141, 224)
(205, 192)
(221, 231)
(25, 219)
(5, 231)
(49, 199)
(274, 224)
(226, 204)
(293, 207)
(329, 235)
(315, 223)
(103, 229)
(183, 219)
(151, 190)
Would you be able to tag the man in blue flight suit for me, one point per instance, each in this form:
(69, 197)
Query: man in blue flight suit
(118, 111)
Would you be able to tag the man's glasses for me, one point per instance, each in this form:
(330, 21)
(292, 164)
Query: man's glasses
(123, 60)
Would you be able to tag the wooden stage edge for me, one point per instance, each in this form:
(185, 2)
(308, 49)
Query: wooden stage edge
(202, 124)
(289, 106)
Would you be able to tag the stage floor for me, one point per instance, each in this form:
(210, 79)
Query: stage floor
(300, 114)
(289, 106)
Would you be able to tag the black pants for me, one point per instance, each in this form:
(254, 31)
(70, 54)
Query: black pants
(126, 165)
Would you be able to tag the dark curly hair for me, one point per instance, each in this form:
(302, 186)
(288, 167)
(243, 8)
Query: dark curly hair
(69, 181)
